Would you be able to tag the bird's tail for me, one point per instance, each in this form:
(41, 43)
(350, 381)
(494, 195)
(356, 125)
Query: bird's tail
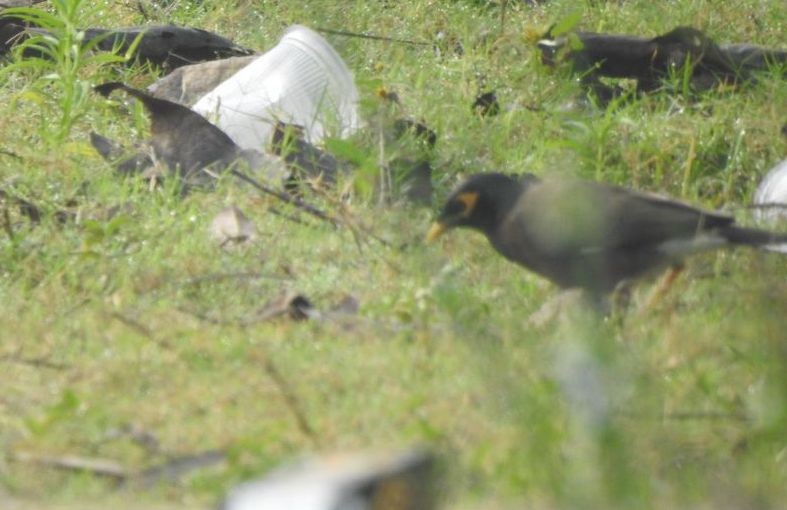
(771, 241)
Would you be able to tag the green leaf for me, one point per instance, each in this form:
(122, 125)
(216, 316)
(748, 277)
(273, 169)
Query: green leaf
(567, 23)
(574, 42)
(346, 150)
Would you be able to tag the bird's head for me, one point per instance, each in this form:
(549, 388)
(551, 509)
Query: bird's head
(480, 203)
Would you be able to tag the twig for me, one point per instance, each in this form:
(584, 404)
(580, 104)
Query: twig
(68, 311)
(308, 208)
(140, 328)
(284, 197)
(41, 362)
(373, 37)
(688, 415)
(9, 229)
(176, 467)
(286, 216)
(142, 11)
(10, 154)
(266, 314)
(101, 467)
(28, 209)
(768, 205)
(503, 9)
(291, 400)
(171, 469)
(710, 415)
(139, 436)
(206, 318)
(355, 227)
(215, 277)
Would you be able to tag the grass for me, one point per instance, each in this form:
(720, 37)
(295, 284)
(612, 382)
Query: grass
(103, 320)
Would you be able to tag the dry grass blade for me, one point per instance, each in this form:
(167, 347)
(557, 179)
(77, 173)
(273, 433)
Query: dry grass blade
(99, 467)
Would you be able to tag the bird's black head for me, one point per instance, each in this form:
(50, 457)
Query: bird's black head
(481, 202)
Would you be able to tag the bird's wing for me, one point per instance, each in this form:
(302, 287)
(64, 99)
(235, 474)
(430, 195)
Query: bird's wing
(564, 217)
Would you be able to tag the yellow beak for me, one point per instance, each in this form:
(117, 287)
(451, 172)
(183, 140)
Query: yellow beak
(435, 231)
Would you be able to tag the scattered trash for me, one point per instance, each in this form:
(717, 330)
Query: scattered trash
(418, 130)
(770, 199)
(187, 84)
(293, 305)
(413, 179)
(124, 163)
(288, 304)
(9, 32)
(393, 481)
(186, 142)
(166, 46)
(650, 61)
(232, 227)
(12, 29)
(304, 161)
(195, 149)
(300, 81)
(486, 104)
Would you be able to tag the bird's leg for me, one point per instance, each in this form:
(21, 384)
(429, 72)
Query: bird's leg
(620, 299)
(664, 285)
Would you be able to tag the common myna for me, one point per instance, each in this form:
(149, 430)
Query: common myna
(589, 235)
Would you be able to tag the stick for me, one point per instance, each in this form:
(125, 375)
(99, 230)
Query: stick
(140, 328)
(373, 37)
(101, 467)
(291, 400)
(41, 362)
(9, 229)
(297, 202)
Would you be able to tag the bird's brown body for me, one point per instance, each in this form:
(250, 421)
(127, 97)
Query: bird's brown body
(586, 234)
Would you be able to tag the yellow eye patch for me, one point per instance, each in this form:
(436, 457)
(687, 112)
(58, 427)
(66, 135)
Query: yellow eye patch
(469, 200)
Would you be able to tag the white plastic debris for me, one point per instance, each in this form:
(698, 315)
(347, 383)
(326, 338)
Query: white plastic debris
(301, 80)
(396, 481)
(770, 199)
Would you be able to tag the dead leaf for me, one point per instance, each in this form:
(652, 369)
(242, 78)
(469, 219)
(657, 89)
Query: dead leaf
(231, 226)
(295, 306)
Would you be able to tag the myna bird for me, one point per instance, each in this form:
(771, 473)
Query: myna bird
(582, 234)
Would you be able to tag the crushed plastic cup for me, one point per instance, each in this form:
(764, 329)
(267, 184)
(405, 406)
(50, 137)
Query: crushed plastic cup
(301, 80)
(770, 199)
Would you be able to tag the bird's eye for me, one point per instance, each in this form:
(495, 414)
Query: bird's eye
(454, 208)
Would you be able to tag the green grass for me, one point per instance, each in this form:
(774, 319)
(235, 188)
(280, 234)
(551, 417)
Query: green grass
(684, 405)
